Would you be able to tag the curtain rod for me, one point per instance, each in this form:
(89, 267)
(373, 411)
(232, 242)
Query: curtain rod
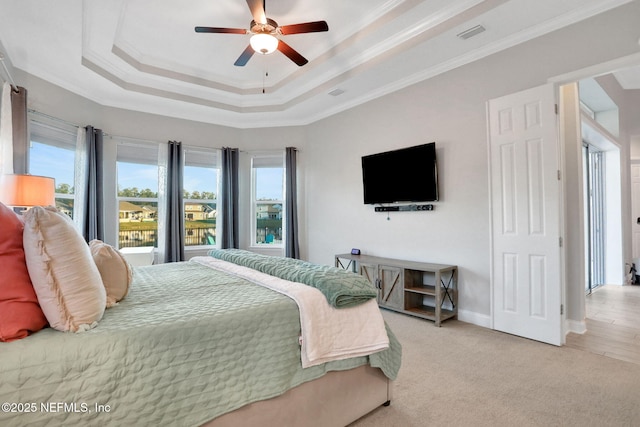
(38, 113)
(6, 70)
(128, 139)
(132, 139)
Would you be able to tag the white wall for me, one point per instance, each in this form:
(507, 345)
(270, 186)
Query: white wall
(448, 109)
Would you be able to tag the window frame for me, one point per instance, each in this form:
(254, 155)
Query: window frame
(136, 155)
(61, 136)
(267, 159)
(204, 153)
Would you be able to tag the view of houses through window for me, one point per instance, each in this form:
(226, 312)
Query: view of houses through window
(268, 199)
(137, 218)
(137, 194)
(138, 197)
(200, 180)
(52, 150)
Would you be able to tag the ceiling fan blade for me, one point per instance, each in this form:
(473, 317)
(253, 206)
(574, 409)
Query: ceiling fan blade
(307, 27)
(221, 30)
(257, 8)
(290, 53)
(244, 57)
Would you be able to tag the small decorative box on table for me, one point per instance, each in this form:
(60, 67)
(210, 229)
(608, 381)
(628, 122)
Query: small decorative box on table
(425, 290)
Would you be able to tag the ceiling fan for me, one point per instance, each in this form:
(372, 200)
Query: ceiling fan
(264, 32)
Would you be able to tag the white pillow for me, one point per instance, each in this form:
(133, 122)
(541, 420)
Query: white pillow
(66, 280)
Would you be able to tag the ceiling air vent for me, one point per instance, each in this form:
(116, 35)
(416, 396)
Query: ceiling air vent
(336, 92)
(466, 34)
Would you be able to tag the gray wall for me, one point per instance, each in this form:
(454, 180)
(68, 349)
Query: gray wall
(449, 109)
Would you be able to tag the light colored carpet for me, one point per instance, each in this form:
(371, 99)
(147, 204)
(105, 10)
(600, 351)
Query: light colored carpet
(465, 375)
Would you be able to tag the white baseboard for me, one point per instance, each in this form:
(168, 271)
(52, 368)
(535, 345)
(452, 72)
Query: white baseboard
(575, 326)
(475, 318)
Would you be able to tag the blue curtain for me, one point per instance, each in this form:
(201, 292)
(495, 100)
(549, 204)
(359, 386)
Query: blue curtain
(229, 198)
(93, 224)
(174, 242)
(291, 247)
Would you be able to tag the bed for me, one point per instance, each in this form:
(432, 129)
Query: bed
(202, 343)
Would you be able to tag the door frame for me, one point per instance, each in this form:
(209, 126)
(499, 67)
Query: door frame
(574, 248)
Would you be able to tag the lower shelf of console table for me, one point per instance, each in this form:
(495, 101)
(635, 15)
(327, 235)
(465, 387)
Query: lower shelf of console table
(425, 290)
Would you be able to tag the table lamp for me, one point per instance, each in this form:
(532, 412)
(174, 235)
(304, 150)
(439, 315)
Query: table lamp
(25, 191)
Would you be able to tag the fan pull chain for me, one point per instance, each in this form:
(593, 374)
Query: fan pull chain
(266, 74)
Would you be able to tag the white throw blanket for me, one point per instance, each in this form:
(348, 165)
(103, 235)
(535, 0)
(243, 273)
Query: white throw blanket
(328, 333)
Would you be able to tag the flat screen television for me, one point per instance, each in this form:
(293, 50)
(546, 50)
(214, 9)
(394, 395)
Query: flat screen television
(405, 175)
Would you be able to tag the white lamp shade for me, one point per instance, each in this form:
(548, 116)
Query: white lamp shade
(27, 190)
(263, 43)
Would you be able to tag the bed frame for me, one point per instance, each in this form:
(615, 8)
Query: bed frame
(335, 399)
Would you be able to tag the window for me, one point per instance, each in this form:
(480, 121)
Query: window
(268, 199)
(52, 150)
(200, 180)
(137, 177)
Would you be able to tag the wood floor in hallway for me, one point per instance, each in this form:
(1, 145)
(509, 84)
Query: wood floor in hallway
(613, 323)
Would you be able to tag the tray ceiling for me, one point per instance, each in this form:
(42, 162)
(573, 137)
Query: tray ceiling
(129, 55)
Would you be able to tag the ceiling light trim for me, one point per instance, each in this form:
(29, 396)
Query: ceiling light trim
(153, 91)
(462, 60)
(425, 29)
(148, 90)
(147, 68)
(245, 118)
(126, 52)
(303, 92)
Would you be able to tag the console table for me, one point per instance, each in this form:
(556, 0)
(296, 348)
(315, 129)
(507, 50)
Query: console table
(425, 290)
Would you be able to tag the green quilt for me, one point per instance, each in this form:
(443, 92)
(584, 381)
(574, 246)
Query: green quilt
(342, 288)
(186, 345)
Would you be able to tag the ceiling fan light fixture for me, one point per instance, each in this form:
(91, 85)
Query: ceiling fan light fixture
(264, 43)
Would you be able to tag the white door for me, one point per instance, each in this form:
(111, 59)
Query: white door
(525, 205)
(635, 209)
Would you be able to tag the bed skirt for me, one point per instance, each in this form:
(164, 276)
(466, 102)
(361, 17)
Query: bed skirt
(335, 399)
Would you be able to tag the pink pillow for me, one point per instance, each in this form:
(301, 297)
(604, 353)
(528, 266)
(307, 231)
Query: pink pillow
(114, 269)
(20, 313)
(64, 276)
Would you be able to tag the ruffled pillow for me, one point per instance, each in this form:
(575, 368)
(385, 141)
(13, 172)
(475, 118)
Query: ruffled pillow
(114, 269)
